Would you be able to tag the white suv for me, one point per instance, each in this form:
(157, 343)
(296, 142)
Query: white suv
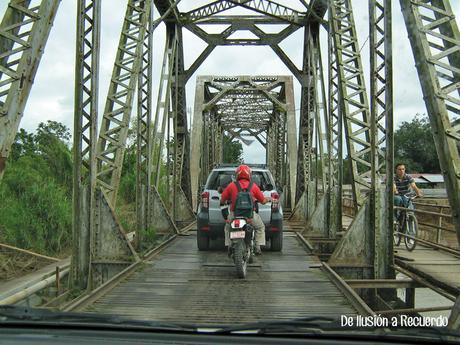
(209, 217)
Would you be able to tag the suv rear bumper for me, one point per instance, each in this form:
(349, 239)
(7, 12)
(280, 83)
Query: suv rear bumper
(217, 230)
(212, 230)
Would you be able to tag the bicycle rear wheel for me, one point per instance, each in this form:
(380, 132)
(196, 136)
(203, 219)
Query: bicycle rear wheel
(411, 230)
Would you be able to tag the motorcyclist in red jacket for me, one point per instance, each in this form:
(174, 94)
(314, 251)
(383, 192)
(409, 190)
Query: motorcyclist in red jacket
(243, 176)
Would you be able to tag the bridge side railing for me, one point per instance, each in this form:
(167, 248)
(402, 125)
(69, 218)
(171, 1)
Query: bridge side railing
(434, 217)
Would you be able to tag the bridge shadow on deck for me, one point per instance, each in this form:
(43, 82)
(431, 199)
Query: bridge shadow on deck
(183, 284)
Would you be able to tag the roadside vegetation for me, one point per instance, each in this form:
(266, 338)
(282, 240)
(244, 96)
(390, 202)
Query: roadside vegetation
(36, 189)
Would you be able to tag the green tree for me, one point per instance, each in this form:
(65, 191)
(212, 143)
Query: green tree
(414, 146)
(36, 190)
(233, 150)
(24, 145)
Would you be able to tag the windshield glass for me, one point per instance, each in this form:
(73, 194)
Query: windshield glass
(122, 121)
(223, 178)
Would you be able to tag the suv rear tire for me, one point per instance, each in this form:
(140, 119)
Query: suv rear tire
(202, 241)
(276, 242)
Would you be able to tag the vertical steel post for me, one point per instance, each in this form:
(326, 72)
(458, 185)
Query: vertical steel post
(380, 114)
(306, 116)
(85, 137)
(334, 140)
(144, 138)
(196, 166)
(181, 193)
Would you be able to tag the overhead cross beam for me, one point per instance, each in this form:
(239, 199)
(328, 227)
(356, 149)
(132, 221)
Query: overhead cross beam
(265, 7)
(207, 11)
(272, 9)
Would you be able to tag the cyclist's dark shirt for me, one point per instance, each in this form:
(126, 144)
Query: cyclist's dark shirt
(403, 185)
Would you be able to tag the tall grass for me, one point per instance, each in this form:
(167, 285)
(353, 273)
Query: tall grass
(35, 212)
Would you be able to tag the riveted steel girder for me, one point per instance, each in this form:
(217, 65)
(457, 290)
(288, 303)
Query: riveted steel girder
(334, 140)
(320, 117)
(144, 140)
(118, 107)
(85, 137)
(381, 118)
(207, 11)
(182, 194)
(163, 106)
(111, 251)
(266, 7)
(165, 130)
(435, 40)
(353, 97)
(307, 112)
(24, 32)
(368, 241)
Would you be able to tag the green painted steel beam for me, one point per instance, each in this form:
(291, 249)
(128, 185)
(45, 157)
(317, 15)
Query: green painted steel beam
(353, 97)
(435, 40)
(85, 138)
(18, 66)
(118, 107)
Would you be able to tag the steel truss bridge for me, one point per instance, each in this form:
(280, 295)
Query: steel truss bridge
(336, 110)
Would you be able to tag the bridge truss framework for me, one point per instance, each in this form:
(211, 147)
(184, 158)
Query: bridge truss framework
(315, 178)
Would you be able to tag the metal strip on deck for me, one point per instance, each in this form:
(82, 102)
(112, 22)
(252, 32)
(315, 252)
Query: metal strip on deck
(186, 285)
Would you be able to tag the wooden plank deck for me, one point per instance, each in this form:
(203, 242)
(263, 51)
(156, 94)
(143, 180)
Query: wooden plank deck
(186, 285)
(440, 268)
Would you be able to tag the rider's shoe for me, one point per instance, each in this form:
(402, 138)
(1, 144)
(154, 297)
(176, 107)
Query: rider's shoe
(257, 250)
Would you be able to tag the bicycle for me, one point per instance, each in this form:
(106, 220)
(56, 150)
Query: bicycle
(406, 224)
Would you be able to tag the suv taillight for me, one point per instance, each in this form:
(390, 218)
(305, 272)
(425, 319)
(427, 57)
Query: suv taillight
(275, 201)
(205, 200)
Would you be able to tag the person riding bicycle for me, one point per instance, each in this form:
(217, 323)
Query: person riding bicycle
(402, 183)
(243, 176)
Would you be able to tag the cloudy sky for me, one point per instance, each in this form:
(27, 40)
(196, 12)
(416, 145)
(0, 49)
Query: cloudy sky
(53, 90)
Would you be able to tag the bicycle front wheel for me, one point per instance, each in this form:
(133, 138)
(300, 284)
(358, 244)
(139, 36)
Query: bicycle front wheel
(411, 230)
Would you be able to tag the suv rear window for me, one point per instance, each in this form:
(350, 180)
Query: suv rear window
(223, 179)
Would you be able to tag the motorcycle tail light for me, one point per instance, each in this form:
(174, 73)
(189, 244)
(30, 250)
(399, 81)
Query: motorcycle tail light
(205, 200)
(275, 201)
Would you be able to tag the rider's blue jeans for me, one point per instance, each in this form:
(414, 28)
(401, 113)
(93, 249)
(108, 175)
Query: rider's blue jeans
(401, 201)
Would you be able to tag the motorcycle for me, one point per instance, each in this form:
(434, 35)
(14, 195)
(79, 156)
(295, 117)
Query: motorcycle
(242, 239)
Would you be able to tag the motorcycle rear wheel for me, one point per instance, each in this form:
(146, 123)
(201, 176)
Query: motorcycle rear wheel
(238, 257)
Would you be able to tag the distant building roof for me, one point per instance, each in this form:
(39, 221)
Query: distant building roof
(433, 178)
(423, 178)
(419, 180)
